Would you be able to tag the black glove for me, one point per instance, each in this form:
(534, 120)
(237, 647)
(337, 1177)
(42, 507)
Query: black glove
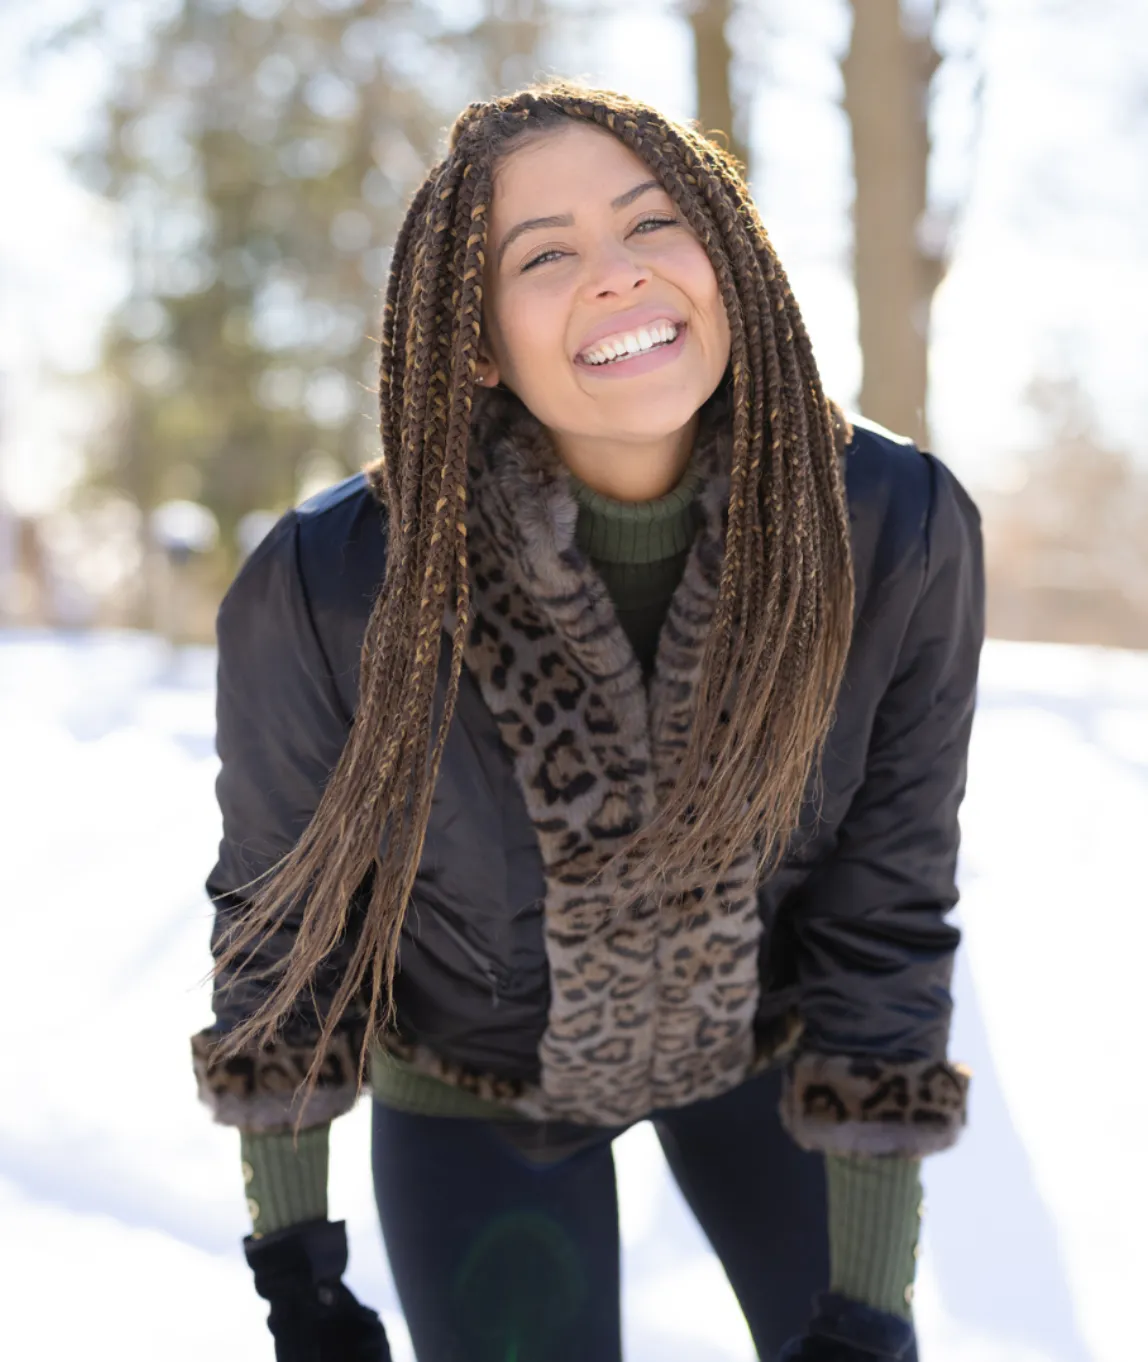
(844, 1330)
(314, 1317)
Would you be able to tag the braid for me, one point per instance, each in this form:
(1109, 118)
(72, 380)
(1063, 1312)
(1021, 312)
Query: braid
(783, 617)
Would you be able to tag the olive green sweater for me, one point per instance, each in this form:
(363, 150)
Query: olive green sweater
(639, 550)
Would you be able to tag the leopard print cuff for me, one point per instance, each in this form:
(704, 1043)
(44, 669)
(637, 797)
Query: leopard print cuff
(260, 1090)
(842, 1104)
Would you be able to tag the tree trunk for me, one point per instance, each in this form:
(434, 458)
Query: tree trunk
(896, 266)
(509, 39)
(712, 59)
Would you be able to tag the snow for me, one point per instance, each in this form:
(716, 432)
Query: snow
(121, 1203)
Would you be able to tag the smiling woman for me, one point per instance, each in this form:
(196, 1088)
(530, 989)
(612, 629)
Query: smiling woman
(699, 659)
(571, 300)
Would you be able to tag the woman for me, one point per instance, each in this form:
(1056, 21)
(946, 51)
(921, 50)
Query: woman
(595, 756)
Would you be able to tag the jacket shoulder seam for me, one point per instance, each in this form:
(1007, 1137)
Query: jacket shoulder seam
(334, 496)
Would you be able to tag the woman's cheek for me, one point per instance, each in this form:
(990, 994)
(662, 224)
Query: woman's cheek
(693, 269)
(538, 341)
(705, 295)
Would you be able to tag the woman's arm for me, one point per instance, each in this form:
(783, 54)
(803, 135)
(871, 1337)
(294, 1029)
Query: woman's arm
(872, 1087)
(874, 949)
(280, 729)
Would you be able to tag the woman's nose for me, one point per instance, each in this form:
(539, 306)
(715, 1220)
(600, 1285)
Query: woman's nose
(614, 269)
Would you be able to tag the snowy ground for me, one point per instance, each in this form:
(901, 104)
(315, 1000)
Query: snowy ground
(120, 1203)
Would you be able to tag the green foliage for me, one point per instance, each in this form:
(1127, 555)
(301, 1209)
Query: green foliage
(260, 153)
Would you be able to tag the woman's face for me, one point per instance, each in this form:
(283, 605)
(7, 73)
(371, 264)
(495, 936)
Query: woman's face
(602, 311)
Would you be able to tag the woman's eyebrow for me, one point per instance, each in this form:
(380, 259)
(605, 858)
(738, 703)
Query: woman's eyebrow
(567, 219)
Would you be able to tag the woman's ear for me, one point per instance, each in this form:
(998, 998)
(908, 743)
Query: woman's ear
(486, 370)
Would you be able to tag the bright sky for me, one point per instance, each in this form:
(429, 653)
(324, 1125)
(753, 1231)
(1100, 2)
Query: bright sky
(1051, 261)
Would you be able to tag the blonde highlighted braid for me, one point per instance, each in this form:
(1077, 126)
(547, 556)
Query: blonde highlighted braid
(778, 644)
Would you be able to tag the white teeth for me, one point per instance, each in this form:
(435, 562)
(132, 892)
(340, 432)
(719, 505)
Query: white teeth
(631, 343)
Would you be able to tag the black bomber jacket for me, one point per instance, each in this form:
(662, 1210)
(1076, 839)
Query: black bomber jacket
(851, 949)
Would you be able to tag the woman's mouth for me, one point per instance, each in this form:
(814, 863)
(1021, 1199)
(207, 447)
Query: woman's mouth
(634, 352)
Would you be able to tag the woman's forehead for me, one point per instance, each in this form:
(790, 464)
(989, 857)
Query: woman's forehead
(553, 171)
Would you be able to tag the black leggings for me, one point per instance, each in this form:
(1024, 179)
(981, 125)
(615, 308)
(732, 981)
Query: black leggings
(497, 1259)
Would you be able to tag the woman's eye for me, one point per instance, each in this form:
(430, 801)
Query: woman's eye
(646, 225)
(538, 259)
(656, 222)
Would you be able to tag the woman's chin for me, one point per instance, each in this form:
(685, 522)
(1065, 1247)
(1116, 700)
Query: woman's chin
(652, 417)
(613, 415)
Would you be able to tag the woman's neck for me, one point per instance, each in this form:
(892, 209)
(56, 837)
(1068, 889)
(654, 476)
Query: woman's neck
(627, 470)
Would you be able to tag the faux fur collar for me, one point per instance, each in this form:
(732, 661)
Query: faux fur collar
(653, 996)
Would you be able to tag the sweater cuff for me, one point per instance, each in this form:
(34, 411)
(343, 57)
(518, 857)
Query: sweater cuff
(286, 1182)
(875, 1207)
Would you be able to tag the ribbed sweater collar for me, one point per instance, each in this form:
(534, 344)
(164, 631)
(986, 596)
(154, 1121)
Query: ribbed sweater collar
(613, 531)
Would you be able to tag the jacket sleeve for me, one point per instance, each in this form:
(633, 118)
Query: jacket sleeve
(280, 729)
(874, 949)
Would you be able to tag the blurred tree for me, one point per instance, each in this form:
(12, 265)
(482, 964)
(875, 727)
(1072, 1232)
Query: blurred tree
(713, 59)
(902, 240)
(511, 41)
(1066, 551)
(261, 153)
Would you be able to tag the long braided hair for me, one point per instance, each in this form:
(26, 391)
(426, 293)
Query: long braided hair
(777, 648)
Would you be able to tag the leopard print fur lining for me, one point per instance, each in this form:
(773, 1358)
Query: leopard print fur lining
(653, 997)
(852, 1105)
(260, 1090)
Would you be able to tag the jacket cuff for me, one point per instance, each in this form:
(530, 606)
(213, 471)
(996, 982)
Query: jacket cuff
(260, 1090)
(852, 1104)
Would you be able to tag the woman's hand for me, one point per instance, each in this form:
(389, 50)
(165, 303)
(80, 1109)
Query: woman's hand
(843, 1330)
(313, 1317)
